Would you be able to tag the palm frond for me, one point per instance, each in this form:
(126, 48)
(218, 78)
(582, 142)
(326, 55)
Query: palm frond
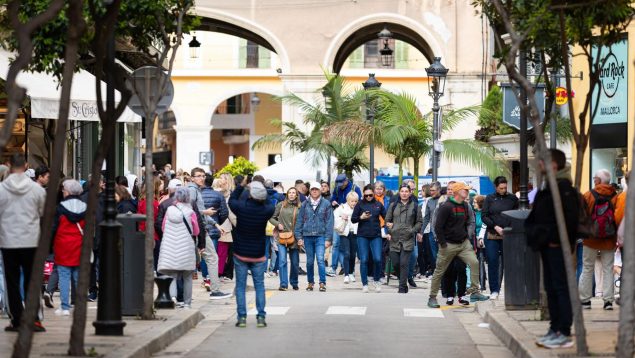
(453, 117)
(269, 141)
(477, 155)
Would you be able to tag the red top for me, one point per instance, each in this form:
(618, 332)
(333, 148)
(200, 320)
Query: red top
(68, 242)
(141, 209)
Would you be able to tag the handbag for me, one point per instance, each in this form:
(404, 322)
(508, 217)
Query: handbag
(288, 238)
(494, 236)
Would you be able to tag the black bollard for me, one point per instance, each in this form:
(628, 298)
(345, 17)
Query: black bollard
(163, 299)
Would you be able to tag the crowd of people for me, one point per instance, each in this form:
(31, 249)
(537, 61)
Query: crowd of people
(228, 228)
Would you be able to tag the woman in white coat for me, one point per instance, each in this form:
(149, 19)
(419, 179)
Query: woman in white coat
(347, 231)
(177, 257)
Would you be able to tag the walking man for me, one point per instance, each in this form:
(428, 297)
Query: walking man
(249, 236)
(542, 236)
(451, 230)
(21, 207)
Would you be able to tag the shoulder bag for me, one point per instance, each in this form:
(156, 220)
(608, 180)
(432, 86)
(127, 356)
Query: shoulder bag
(287, 238)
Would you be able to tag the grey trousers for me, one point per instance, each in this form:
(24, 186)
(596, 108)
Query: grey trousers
(586, 278)
(187, 284)
(211, 259)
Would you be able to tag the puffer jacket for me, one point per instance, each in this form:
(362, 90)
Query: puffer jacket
(603, 190)
(177, 246)
(284, 215)
(407, 221)
(371, 227)
(493, 208)
(69, 230)
(21, 206)
(318, 222)
(348, 225)
(216, 200)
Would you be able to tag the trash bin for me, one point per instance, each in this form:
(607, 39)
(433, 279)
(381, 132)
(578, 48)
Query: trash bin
(132, 264)
(522, 265)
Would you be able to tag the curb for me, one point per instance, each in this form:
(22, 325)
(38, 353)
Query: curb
(159, 337)
(511, 333)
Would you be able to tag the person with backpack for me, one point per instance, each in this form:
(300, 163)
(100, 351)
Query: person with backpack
(600, 202)
(403, 221)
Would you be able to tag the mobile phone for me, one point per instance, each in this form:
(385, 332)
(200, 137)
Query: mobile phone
(367, 212)
(249, 177)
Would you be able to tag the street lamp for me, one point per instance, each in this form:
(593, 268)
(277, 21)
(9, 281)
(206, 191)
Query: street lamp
(109, 321)
(386, 52)
(255, 102)
(325, 94)
(371, 84)
(195, 46)
(435, 89)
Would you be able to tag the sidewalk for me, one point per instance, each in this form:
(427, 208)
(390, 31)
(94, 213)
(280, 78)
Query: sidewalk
(141, 338)
(518, 329)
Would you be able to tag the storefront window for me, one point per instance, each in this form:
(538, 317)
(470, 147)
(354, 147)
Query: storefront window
(612, 159)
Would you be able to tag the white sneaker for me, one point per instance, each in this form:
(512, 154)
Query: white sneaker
(377, 287)
(493, 296)
(352, 277)
(365, 289)
(347, 279)
(61, 312)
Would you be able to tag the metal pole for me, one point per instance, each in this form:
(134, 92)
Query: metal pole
(109, 321)
(524, 170)
(435, 134)
(371, 118)
(553, 123)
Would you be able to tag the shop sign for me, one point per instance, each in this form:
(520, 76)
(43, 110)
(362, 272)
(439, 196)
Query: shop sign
(612, 104)
(206, 158)
(562, 96)
(511, 109)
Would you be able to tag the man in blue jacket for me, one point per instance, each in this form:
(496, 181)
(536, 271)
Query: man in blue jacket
(314, 231)
(343, 186)
(252, 215)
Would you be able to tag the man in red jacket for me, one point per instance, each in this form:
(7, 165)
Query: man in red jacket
(67, 245)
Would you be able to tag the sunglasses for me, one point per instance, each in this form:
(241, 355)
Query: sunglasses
(368, 195)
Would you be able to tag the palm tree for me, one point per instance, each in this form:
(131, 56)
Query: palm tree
(403, 131)
(340, 104)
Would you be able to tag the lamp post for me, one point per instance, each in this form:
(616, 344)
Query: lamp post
(435, 89)
(523, 202)
(371, 84)
(194, 47)
(255, 102)
(328, 158)
(109, 321)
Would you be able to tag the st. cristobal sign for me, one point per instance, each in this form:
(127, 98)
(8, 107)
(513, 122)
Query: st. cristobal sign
(612, 105)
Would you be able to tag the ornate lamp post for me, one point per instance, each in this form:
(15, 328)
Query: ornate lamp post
(436, 86)
(109, 321)
(371, 84)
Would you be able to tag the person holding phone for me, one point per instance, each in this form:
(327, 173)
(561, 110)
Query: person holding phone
(366, 214)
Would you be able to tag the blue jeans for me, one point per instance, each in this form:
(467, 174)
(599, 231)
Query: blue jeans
(258, 276)
(578, 268)
(494, 251)
(65, 274)
(364, 245)
(314, 246)
(434, 247)
(336, 257)
(413, 261)
(294, 256)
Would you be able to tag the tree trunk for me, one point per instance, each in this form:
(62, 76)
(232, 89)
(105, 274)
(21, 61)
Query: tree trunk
(400, 170)
(148, 287)
(416, 174)
(626, 330)
(22, 345)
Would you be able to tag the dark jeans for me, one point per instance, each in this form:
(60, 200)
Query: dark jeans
(346, 243)
(455, 279)
(94, 273)
(155, 253)
(403, 258)
(494, 253)
(16, 261)
(555, 280)
(421, 255)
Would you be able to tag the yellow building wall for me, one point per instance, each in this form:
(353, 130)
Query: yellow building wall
(581, 87)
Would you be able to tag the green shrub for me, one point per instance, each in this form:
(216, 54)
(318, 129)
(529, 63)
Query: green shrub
(240, 166)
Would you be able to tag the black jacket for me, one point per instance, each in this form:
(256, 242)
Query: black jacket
(369, 228)
(541, 225)
(251, 221)
(452, 222)
(493, 208)
(126, 206)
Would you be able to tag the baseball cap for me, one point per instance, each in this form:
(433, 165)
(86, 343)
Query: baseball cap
(458, 186)
(175, 183)
(341, 178)
(315, 185)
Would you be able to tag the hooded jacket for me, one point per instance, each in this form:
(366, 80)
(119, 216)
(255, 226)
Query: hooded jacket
(251, 221)
(21, 206)
(69, 230)
(407, 221)
(177, 251)
(603, 190)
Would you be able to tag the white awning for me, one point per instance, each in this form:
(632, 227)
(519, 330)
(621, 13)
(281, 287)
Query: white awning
(44, 91)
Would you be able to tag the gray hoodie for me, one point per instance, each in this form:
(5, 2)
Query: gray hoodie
(21, 206)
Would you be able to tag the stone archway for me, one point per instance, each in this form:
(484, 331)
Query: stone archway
(223, 22)
(366, 29)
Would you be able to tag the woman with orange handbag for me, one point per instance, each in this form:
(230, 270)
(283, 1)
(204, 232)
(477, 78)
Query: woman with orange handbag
(284, 220)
